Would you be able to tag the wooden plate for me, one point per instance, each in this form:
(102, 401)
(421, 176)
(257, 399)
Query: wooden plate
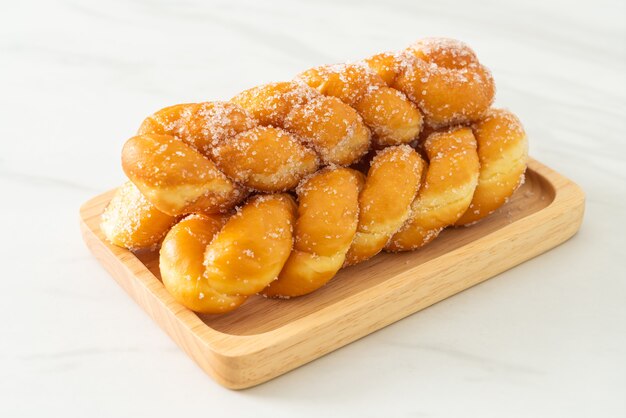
(266, 338)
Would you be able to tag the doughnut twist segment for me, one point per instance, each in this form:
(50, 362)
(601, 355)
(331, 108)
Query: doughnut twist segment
(258, 157)
(503, 155)
(448, 188)
(442, 76)
(181, 263)
(328, 213)
(387, 112)
(132, 222)
(393, 180)
(206, 157)
(326, 124)
(176, 178)
(211, 265)
(252, 247)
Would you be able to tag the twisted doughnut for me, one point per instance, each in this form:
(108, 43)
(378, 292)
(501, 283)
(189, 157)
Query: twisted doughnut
(393, 180)
(450, 181)
(202, 157)
(258, 157)
(442, 76)
(223, 151)
(176, 178)
(391, 118)
(332, 128)
(503, 153)
(249, 249)
(328, 213)
(208, 157)
(132, 222)
(181, 263)
(247, 254)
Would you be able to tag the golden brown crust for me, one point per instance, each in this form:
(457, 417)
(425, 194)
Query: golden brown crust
(326, 124)
(447, 191)
(252, 247)
(181, 262)
(503, 155)
(392, 183)
(200, 125)
(442, 76)
(265, 158)
(131, 221)
(206, 157)
(261, 158)
(326, 224)
(176, 178)
(391, 117)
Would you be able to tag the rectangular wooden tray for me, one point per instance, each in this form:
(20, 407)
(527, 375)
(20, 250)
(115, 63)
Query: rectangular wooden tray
(266, 338)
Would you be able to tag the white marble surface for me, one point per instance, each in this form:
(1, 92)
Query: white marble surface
(546, 339)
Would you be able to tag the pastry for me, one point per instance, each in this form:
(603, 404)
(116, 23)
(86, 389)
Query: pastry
(247, 254)
(381, 154)
(447, 191)
(387, 112)
(503, 154)
(181, 263)
(328, 213)
(333, 129)
(132, 222)
(392, 183)
(176, 178)
(442, 76)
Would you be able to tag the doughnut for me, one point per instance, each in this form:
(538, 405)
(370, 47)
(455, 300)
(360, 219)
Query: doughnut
(381, 154)
(265, 158)
(330, 127)
(448, 188)
(442, 76)
(390, 116)
(132, 222)
(503, 155)
(204, 157)
(327, 219)
(257, 157)
(392, 183)
(200, 125)
(247, 254)
(181, 262)
(176, 178)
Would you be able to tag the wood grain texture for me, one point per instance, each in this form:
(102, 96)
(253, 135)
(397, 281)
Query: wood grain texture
(266, 338)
